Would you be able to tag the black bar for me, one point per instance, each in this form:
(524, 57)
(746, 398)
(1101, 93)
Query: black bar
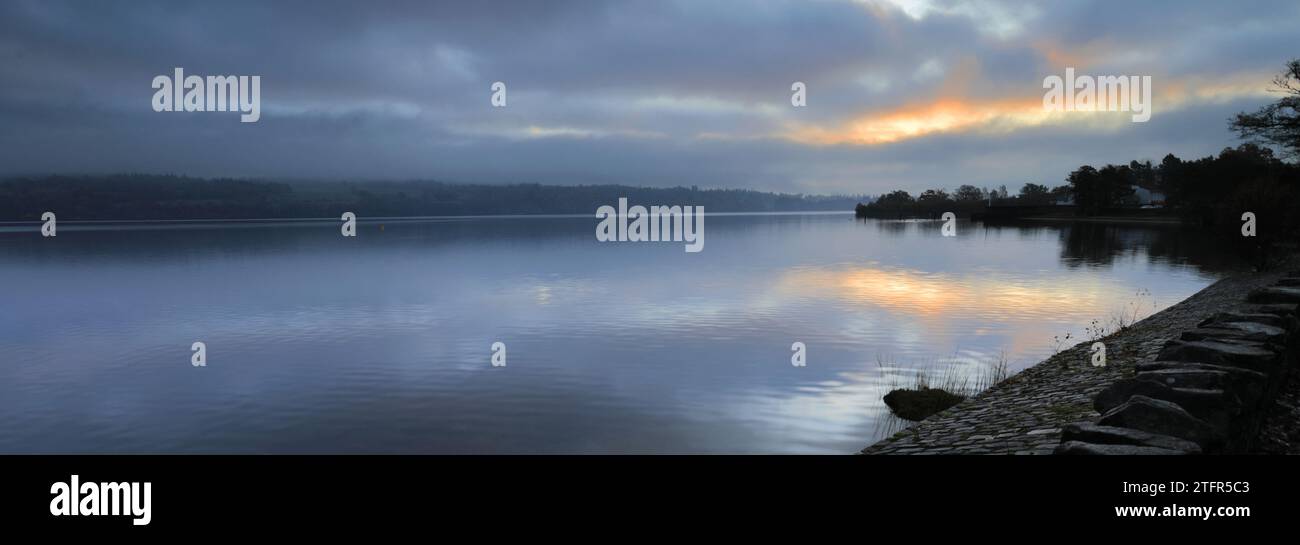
(303, 492)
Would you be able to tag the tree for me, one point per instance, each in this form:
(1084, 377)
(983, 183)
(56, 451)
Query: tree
(1096, 190)
(1116, 185)
(1278, 123)
(1083, 183)
(969, 193)
(1062, 193)
(1169, 179)
(1033, 193)
(1144, 175)
(933, 197)
(895, 198)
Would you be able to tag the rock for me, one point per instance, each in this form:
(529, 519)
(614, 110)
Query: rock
(1205, 379)
(1283, 310)
(920, 404)
(1246, 331)
(1233, 336)
(1077, 448)
(1120, 391)
(1216, 407)
(1245, 374)
(1249, 386)
(1253, 356)
(1087, 432)
(1275, 294)
(1163, 418)
(1259, 317)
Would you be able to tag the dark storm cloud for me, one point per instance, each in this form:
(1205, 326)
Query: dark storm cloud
(645, 92)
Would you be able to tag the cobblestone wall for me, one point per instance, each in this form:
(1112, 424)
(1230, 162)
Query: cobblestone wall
(1207, 391)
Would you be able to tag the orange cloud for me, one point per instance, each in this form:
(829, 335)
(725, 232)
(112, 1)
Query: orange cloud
(953, 114)
(916, 120)
(1193, 90)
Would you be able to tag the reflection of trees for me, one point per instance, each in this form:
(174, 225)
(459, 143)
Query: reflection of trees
(1099, 244)
(1096, 244)
(892, 228)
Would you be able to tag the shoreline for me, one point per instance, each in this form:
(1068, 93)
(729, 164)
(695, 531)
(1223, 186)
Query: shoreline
(1114, 220)
(1163, 220)
(1025, 413)
(29, 223)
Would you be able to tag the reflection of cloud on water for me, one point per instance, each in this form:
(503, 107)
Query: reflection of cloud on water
(1025, 310)
(984, 293)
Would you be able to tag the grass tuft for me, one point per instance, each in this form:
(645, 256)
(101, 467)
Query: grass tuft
(934, 390)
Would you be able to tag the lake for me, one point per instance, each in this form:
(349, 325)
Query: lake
(317, 343)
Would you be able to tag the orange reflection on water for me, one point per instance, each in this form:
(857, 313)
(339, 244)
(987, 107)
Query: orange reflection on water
(1035, 305)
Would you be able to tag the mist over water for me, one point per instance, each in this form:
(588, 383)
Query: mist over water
(380, 343)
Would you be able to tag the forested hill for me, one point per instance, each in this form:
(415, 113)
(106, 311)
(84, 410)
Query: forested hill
(155, 197)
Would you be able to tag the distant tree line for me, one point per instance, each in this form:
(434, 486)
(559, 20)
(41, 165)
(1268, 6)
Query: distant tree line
(1211, 192)
(963, 201)
(166, 197)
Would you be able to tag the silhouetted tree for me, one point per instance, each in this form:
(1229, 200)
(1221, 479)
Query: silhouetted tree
(1169, 178)
(933, 197)
(896, 198)
(1032, 193)
(1062, 193)
(968, 193)
(1143, 175)
(1096, 190)
(1279, 122)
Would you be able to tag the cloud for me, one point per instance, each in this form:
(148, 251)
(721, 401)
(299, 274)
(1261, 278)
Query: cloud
(901, 94)
(991, 116)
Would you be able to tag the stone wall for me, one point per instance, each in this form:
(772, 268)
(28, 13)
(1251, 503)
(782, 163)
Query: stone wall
(1207, 390)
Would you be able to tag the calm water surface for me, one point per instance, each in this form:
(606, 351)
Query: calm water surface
(380, 343)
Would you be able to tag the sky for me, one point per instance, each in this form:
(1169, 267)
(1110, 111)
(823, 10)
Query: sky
(909, 94)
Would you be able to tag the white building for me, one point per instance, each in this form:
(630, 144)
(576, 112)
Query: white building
(1147, 198)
